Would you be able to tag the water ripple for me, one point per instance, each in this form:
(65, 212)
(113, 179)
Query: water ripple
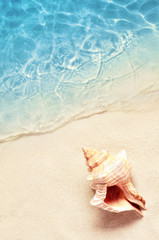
(57, 56)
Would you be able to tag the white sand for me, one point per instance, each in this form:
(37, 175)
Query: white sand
(44, 194)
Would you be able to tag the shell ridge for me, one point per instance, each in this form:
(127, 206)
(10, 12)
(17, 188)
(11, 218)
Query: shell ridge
(121, 176)
(112, 178)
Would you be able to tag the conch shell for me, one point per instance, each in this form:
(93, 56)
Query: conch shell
(110, 177)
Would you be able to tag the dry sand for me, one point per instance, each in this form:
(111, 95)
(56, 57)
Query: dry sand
(44, 194)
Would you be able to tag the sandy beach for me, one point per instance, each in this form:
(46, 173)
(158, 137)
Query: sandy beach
(44, 194)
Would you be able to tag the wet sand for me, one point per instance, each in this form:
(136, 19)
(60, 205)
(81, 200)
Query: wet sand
(43, 186)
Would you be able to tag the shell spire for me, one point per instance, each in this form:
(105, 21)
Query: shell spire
(93, 157)
(110, 177)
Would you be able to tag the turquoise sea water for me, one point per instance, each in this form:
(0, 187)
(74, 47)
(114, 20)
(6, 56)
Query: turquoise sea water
(64, 59)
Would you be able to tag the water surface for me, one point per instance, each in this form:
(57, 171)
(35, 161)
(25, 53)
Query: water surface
(61, 60)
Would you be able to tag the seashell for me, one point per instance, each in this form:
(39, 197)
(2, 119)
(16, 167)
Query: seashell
(110, 177)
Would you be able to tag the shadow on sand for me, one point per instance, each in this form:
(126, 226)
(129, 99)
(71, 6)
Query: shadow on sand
(108, 220)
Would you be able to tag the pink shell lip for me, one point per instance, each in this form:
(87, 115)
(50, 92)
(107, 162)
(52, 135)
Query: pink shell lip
(115, 198)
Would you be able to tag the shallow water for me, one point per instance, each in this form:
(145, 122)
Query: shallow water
(61, 60)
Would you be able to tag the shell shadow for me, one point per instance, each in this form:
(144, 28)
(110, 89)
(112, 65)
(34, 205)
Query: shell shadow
(108, 220)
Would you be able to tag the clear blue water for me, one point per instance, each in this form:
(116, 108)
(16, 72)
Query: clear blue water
(64, 59)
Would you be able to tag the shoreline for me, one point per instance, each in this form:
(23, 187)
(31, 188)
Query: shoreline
(153, 108)
(44, 191)
(139, 94)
